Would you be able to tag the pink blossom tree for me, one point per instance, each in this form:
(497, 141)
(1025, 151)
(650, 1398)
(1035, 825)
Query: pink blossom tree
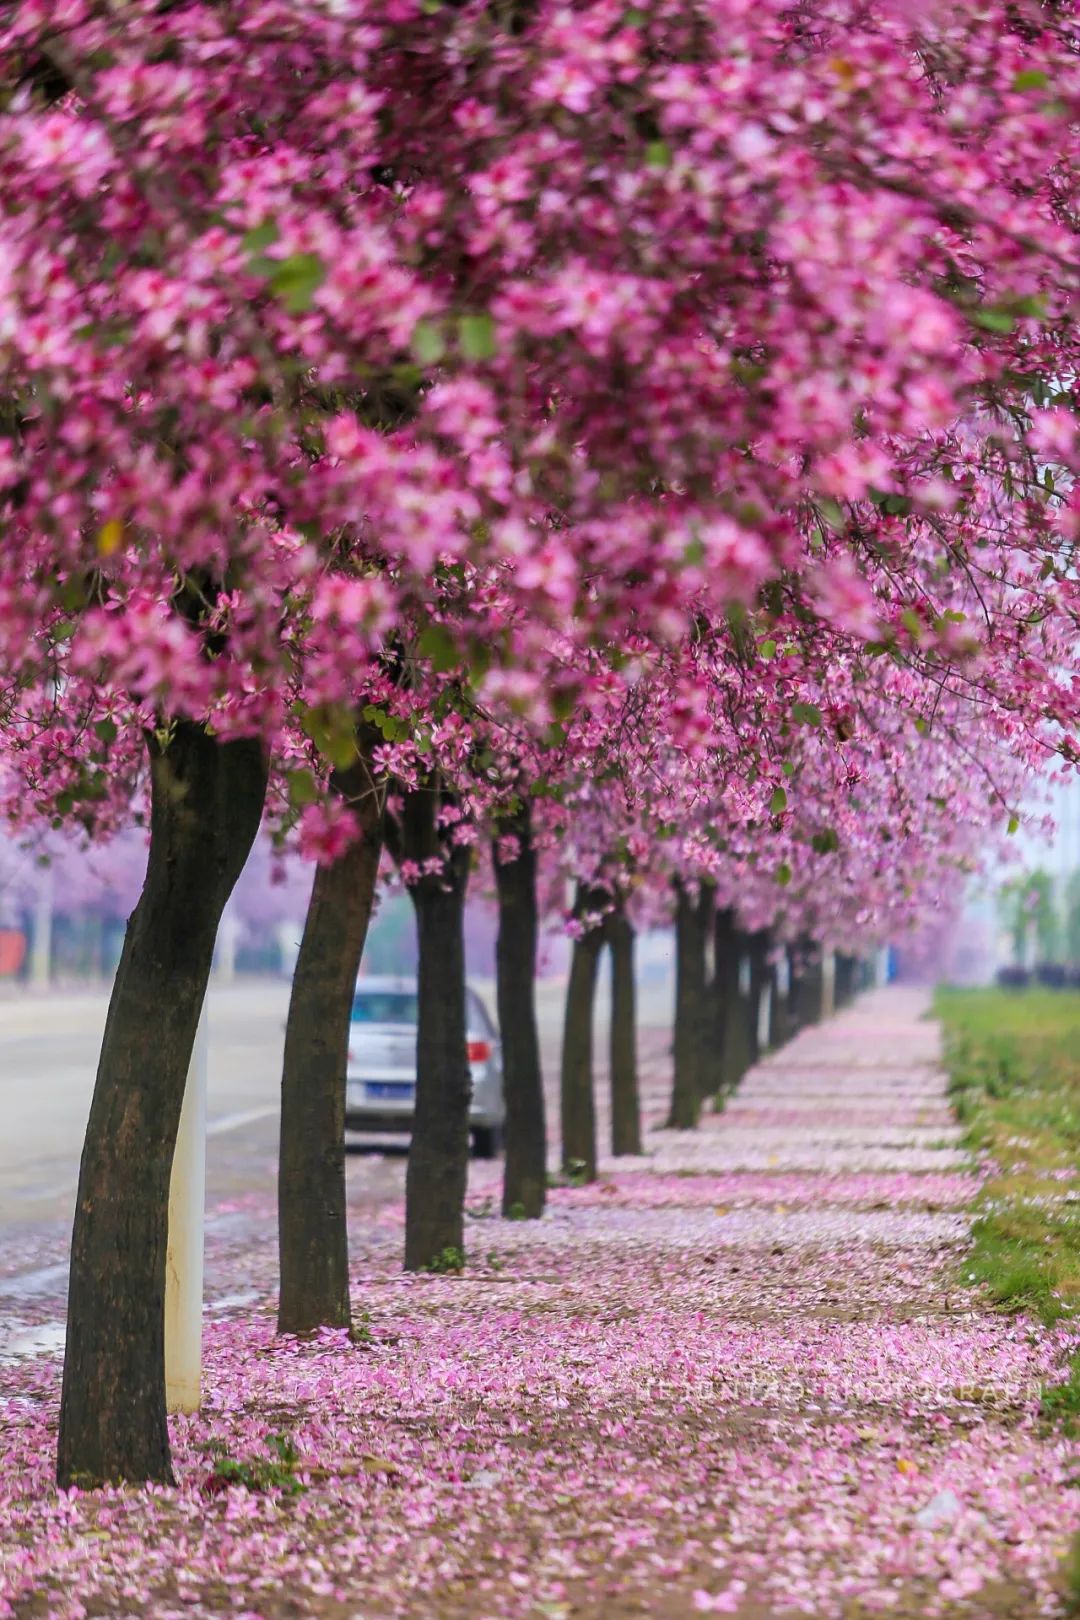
(684, 332)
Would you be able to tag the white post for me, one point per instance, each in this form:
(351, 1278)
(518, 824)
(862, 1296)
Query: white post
(764, 1020)
(41, 943)
(828, 984)
(184, 1259)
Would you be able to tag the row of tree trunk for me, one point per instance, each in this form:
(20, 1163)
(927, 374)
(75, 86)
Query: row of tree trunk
(207, 799)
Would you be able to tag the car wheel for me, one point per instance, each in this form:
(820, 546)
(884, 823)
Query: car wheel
(487, 1141)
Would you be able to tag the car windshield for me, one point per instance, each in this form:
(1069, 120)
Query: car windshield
(384, 1007)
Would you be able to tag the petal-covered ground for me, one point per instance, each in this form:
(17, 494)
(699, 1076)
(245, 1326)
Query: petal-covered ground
(738, 1375)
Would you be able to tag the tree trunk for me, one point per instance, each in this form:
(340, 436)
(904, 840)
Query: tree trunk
(812, 989)
(625, 1104)
(690, 1083)
(525, 1174)
(313, 1242)
(735, 1059)
(784, 1022)
(578, 1107)
(759, 973)
(772, 1037)
(718, 1000)
(438, 1165)
(206, 802)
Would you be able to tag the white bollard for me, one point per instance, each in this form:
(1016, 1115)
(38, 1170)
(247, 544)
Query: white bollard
(184, 1259)
(828, 984)
(41, 939)
(764, 1018)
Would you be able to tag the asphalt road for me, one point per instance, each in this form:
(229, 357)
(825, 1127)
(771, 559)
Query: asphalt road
(48, 1055)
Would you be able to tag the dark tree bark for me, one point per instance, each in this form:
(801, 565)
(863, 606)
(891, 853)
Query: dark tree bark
(718, 994)
(773, 1034)
(807, 985)
(813, 989)
(758, 946)
(525, 1173)
(577, 1104)
(847, 979)
(206, 802)
(625, 1102)
(735, 1058)
(313, 1239)
(439, 1150)
(784, 1024)
(690, 1084)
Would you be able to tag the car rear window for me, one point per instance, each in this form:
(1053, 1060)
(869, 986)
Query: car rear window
(384, 1007)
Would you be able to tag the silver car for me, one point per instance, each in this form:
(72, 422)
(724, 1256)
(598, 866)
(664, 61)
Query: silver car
(381, 1077)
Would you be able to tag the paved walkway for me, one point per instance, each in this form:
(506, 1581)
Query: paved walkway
(735, 1376)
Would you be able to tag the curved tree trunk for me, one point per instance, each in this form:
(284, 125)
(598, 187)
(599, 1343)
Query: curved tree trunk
(625, 1103)
(313, 1242)
(525, 1174)
(206, 803)
(438, 1165)
(690, 1082)
(577, 1104)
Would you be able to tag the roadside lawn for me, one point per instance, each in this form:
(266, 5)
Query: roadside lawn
(1014, 1065)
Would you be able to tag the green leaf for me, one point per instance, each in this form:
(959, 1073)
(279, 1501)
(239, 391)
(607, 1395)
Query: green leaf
(783, 875)
(1014, 825)
(788, 768)
(438, 646)
(333, 732)
(911, 621)
(825, 842)
(806, 714)
(260, 237)
(658, 155)
(302, 788)
(922, 727)
(767, 649)
(993, 320)
(477, 335)
(106, 731)
(1031, 79)
(428, 344)
(778, 802)
(296, 280)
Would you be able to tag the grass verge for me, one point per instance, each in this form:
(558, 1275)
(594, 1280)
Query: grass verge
(1014, 1064)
